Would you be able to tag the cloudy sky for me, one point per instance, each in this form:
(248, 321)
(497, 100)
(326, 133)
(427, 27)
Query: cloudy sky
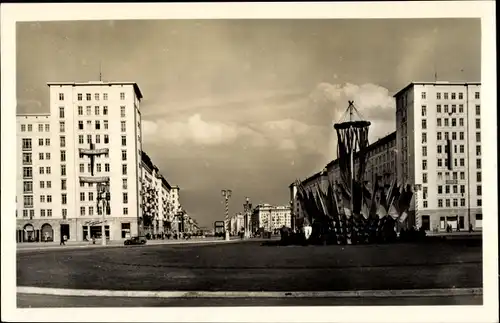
(246, 104)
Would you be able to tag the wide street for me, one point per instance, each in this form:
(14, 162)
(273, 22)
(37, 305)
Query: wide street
(252, 266)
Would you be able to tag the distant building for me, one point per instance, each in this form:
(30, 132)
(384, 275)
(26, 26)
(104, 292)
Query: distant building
(156, 197)
(270, 218)
(237, 223)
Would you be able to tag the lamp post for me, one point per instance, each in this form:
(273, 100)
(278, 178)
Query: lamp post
(227, 195)
(292, 219)
(103, 197)
(247, 207)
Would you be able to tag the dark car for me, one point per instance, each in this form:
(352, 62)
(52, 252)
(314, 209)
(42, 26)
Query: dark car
(135, 240)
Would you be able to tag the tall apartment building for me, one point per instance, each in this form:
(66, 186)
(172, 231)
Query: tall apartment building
(178, 217)
(438, 126)
(52, 201)
(270, 218)
(156, 199)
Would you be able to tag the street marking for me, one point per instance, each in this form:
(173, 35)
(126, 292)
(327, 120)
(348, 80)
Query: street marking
(247, 294)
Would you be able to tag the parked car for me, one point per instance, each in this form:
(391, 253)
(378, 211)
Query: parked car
(135, 240)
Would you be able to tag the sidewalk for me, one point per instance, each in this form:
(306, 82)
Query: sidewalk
(455, 233)
(114, 243)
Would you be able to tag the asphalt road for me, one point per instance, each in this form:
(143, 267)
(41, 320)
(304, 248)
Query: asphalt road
(36, 301)
(249, 266)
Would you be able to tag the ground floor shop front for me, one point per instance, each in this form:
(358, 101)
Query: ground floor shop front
(454, 219)
(45, 230)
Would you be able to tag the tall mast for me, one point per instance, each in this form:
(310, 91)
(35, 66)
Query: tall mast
(351, 133)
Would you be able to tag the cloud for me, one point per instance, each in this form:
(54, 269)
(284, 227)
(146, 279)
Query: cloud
(373, 102)
(28, 106)
(194, 131)
(295, 126)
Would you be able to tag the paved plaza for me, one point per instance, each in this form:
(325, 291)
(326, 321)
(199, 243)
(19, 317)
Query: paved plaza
(252, 266)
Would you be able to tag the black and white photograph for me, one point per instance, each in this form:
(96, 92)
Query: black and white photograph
(323, 161)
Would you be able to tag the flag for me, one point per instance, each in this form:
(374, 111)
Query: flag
(393, 213)
(365, 211)
(381, 211)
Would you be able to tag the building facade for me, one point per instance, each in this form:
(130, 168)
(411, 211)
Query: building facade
(439, 143)
(157, 207)
(380, 161)
(237, 223)
(105, 114)
(270, 218)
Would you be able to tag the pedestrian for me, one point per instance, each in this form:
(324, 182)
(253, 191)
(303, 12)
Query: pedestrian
(470, 228)
(65, 238)
(93, 239)
(307, 229)
(62, 241)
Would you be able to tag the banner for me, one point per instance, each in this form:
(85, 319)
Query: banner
(100, 151)
(92, 179)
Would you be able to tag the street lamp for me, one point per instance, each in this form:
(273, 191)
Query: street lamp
(103, 198)
(227, 195)
(247, 207)
(292, 219)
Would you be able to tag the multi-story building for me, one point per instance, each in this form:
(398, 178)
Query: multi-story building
(439, 152)
(105, 114)
(380, 161)
(176, 209)
(35, 189)
(156, 198)
(270, 218)
(237, 223)
(436, 149)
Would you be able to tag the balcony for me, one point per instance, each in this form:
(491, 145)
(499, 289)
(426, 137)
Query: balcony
(26, 148)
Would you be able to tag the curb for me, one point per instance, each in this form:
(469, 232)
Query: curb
(90, 246)
(245, 294)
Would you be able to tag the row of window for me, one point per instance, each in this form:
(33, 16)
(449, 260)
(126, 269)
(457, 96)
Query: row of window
(447, 189)
(88, 96)
(44, 198)
(43, 213)
(97, 111)
(462, 174)
(41, 127)
(123, 125)
(439, 136)
(453, 123)
(453, 95)
(455, 203)
(83, 210)
(28, 171)
(27, 142)
(446, 109)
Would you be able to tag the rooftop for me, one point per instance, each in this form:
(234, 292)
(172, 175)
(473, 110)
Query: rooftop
(436, 83)
(99, 83)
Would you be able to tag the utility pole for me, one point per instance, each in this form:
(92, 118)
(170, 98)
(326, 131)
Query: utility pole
(227, 195)
(247, 207)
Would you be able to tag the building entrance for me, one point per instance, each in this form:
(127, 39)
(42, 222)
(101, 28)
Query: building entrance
(96, 231)
(65, 231)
